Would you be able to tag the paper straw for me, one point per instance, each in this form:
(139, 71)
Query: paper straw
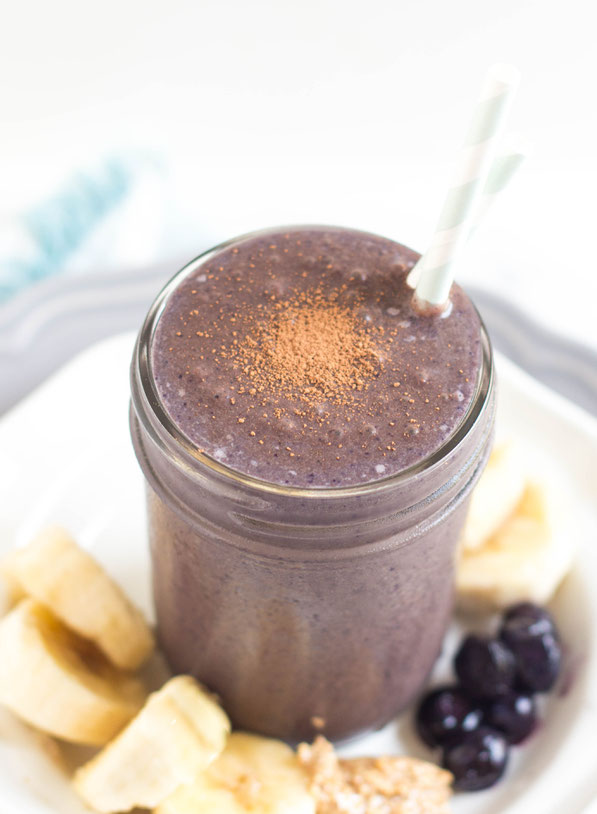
(473, 166)
(503, 169)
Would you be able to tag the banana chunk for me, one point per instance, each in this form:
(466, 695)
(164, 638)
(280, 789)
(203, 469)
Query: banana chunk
(56, 571)
(495, 496)
(10, 590)
(179, 732)
(59, 682)
(525, 559)
(253, 774)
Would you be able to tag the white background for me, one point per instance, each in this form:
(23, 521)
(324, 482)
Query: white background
(331, 111)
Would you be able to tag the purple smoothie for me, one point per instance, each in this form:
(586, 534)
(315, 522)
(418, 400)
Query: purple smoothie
(309, 443)
(417, 386)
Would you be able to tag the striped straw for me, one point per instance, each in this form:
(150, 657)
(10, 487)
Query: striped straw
(473, 167)
(503, 169)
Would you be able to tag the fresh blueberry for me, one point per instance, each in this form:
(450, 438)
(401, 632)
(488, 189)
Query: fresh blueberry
(535, 642)
(514, 714)
(530, 612)
(538, 657)
(478, 760)
(446, 713)
(485, 666)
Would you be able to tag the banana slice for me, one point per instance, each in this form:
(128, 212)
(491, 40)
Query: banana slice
(10, 590)
(495, 496)
(253, 774)
(57, 572)
(526, 558)
(59, 682)
(180, 731)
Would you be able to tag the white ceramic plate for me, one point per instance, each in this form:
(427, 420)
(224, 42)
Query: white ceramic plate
(65, 456)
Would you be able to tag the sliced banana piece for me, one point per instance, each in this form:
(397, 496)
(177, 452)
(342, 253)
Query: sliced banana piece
(57, 572)
(180, 731)
(253, 774)
(59, 682)
(526, 558)
(11, 591)
(495, 496)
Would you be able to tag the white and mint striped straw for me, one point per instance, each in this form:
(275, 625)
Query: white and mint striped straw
(434, 272)
(503, 169)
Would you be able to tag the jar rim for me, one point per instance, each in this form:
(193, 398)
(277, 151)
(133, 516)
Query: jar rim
(143, 385)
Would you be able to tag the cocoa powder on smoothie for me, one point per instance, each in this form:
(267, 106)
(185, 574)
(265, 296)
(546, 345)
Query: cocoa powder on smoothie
(308, 349)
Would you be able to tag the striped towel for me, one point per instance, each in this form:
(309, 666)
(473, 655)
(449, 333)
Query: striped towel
(109, 215)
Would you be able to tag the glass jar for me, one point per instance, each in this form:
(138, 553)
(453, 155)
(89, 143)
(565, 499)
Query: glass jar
(306, 610)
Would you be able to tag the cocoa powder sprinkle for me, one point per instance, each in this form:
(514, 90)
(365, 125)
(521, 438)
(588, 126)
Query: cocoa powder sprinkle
(311, 349)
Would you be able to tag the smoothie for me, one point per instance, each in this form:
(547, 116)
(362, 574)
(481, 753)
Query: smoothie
(295, 357)
(309, 443)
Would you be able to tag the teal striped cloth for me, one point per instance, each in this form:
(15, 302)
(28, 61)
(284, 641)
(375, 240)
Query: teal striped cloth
(40, 242)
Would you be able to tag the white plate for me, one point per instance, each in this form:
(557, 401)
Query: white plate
(65, 456)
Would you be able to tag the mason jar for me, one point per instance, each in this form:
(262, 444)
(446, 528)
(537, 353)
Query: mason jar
(305, 609)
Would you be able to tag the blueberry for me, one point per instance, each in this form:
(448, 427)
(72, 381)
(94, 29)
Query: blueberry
(538, 660)
(534, 640)
(446, 713)
(530, 612)
(485, 666)
(513, 714)
(478, 760)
